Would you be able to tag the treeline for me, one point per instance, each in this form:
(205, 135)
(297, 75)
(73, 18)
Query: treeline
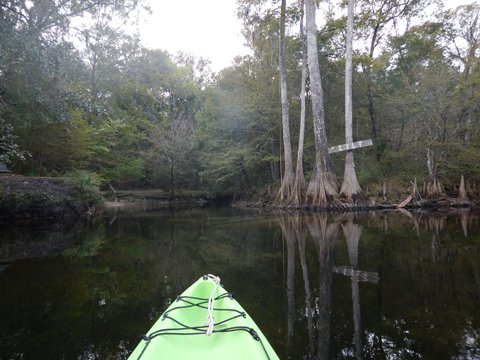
(79, 92)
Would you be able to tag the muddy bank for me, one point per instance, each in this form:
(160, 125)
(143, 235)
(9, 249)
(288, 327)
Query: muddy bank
(25, 200)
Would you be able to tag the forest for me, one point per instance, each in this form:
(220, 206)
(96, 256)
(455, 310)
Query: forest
(79, 93)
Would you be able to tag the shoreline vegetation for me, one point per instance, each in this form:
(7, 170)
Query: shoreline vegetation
(64, 207)
(24, 199)
(379, 107)
(409, 199)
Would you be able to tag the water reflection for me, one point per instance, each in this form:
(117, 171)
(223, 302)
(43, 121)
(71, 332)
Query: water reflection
(316, 320)
(325, 233)
(352, 233)
(387, 285)
(324, 236)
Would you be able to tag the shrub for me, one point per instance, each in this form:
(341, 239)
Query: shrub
(87, 185)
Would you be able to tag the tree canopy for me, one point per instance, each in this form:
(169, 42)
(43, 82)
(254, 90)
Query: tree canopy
(79, 91)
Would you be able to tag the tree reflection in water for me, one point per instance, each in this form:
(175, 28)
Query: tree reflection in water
(324, 235)
(418, 265)
(403, 284)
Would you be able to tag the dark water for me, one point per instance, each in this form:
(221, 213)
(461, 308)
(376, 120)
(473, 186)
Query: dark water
(376, 286)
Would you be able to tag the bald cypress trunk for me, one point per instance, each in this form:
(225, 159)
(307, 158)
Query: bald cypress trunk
(288, 178)
(300, 187)
(324, 182)
(350, 184)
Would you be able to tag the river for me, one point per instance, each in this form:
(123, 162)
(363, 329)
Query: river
(378, 285)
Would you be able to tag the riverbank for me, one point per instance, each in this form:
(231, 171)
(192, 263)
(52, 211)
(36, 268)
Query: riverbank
(29, 199)
(160, 199)
(265, 199)
(367, 201)
(25, 199)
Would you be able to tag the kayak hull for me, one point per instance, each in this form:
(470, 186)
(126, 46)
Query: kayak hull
(180, 333)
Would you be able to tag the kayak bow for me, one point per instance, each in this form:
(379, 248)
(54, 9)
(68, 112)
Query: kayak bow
(205, 322)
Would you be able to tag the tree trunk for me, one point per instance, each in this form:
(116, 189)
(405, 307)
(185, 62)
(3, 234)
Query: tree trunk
(288, 179)
(433, 186)
(324, 182)
(172, 180)
(468, 124)
(431, 162)
(473, 45)
(350, 184)
(371, 105)
(462, 193)
(299, 188)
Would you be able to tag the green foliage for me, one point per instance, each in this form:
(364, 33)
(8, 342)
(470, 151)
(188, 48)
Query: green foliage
(238, 130)
(87, 185)
(141, 117)
(463, 160)
(9, 148)
(126, 172)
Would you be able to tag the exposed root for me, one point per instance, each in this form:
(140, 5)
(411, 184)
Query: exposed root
(432, 187)
(322, 188)
(350, 185)
(286, 189)
(298, 195)
(462, 193)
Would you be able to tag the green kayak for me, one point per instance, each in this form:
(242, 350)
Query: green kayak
(205, 322)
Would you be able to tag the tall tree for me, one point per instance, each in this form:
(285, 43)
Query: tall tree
(463, 33)
(378, 14)
(423, 86)
(288, 178)
(261, 72)
(169, 104)
(324, 182)
(437, 130)
(171, 144)
(238, 128)
(41, 74)
(350, 184)
(106, 50)
(299, 188)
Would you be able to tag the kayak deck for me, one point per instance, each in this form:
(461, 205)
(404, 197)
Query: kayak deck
(181, 332)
